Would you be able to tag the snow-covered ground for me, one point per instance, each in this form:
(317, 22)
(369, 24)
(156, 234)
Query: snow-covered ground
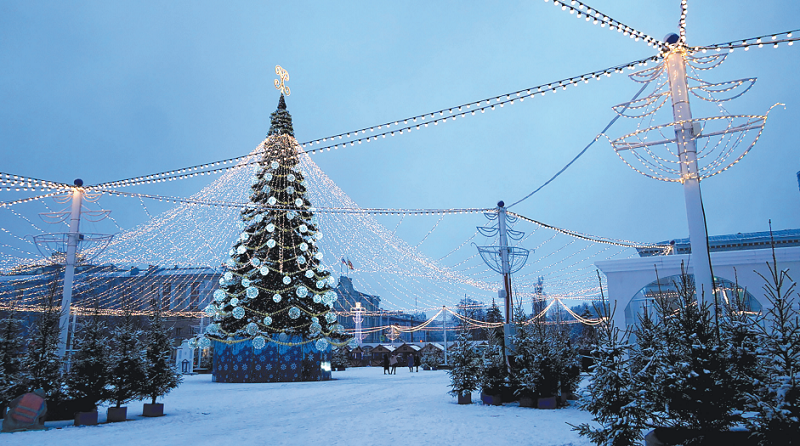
(360, 406)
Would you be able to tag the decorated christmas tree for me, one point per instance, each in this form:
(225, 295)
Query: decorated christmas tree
(276, 289)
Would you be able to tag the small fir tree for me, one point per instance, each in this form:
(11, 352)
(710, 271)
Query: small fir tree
(87, 378)
(647, 356)
(11, 343)
(126, 372)
(430, 360)
(531, 358)
(696, 388)
(41, 362)
(493, 371)
(465, 365)
(780, 348)
(160, 375)
(610, 396)
(739, 338)
(341, 358)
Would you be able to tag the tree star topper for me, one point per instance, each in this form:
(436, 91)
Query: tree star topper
(284, 76)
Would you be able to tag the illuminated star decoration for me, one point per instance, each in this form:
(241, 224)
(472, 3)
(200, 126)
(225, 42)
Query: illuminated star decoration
(284, 76)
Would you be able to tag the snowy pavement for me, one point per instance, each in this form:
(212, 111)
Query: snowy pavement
(360, 406)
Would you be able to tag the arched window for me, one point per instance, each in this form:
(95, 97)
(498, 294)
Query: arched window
(667, 287)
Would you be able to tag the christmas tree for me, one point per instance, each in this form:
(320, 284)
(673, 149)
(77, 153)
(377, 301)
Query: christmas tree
(276, 288)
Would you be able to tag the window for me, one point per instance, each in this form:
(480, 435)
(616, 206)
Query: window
(166, 296)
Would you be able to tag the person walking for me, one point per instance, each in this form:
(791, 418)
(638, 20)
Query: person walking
(416, 362)
(393, 363)
(410, 361)
(386, 364)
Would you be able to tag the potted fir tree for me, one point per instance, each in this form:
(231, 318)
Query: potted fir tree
(126, 366)
(160, 375)
(465, 369)
(86, 381)
(340, 359)
(493, 371)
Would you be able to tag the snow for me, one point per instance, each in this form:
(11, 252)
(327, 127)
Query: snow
(359, 406)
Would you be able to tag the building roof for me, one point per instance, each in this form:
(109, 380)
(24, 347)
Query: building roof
(731, 242)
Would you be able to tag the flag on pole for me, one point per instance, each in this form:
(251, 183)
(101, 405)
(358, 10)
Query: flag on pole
(350, 264)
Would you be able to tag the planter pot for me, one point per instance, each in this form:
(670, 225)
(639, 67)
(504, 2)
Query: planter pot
(116, 414)
(526, 401)
(86, 418)
(153, 410)
(465, 398)
(547, 403)
(491, 400)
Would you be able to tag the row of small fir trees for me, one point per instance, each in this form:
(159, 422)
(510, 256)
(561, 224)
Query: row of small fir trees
(113, 364)
(699, 372)
(542, 362)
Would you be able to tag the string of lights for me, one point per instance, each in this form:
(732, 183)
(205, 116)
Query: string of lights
(591, 238)
(591, 14)
(787, 37)
(398, 127)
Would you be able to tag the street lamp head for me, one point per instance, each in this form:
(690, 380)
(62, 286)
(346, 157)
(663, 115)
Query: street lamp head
(501, 203)
(78, 182)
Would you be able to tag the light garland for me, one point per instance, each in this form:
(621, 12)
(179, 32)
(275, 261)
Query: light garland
(597, 17)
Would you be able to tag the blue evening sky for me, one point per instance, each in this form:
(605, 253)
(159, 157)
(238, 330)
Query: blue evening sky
(110, 90)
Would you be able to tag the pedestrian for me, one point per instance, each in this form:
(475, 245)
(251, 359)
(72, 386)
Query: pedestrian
(410, 362)
(416, 362)
(393, 363)
(386, 364)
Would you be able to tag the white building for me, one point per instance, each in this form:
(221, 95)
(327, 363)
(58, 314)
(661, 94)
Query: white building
(735, 259)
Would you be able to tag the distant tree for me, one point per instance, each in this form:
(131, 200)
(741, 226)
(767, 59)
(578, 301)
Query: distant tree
(341, 357)
(160, 375)
(41, 362)
(126, 373)
(87, 377)
(11, 343)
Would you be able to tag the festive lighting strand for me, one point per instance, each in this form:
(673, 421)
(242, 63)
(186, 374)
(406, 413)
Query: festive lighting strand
(590, 237)
(9, 180)
(421, 121)
(8, 204)
(759, 41)
(598, 17)
(682, 23)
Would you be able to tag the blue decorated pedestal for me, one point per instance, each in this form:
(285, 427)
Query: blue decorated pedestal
(239, 362)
